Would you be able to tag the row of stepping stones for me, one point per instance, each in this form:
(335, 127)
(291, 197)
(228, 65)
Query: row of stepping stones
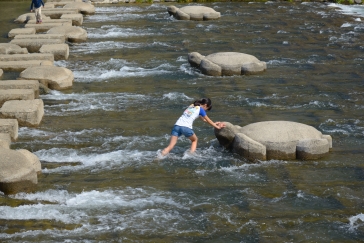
(32, 52)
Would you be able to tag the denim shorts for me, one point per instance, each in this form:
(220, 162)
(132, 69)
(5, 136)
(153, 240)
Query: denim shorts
(178, 131)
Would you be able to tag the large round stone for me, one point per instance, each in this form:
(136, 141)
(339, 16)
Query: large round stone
(84, 8)
(193, 13)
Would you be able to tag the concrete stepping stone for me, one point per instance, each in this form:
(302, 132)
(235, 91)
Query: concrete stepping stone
(193, 13)
(33, 159)
(21, 84)
(56, 13)
(15, 94)
(72, 33)
(51, 21)
(17, 172)
(1, 73)
(18, 66)
(226, 63)
(5, 140)
(56, 78)
(27, 57)
(49, 5)
(84, 8)
(59, 51)
(33, 45)
(28, 112)
(42, 36)
(9, 126)
(77, 19)
(46, 26)
(28, 16)
(275, 140)
(21, 31)
(9, 48)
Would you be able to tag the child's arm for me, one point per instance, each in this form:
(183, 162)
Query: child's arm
(217, 125)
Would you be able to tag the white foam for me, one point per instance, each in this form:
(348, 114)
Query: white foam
(356, 221)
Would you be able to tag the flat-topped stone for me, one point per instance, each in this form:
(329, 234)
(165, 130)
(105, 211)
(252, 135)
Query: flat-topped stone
(5, 140)
(21, 84)
(27, 57)
(33, 159)
(47, 26)
(21, 31)
(17, 172)
(84, 8)
(42, 37)
(77, 19)
(9, 126)
(193, 13)
(49, 5)
(18, 66)
(10, 48)
(27, 112)
(56, 13)
(1, 73)
(51, 21)
(33, 45)
(72, 33)
(15, 94)
(57, 78)
(226, 63)
(24, 18)
(275, 140)
(59, 51)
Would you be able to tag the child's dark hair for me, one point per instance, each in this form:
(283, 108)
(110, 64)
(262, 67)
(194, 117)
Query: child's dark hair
(203, 101)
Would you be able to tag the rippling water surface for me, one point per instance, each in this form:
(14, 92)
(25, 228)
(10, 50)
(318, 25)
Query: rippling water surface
(98, 140)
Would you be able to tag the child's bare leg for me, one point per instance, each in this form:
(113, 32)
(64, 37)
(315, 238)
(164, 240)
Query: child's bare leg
(193, 139)
(172, 143)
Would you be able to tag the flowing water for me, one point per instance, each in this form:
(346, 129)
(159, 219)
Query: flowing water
(98, 140)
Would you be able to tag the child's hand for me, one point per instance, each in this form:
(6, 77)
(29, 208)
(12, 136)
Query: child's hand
(220, 125)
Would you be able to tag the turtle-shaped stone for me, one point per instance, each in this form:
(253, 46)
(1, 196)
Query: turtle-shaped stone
(193, 13)
(275, 140)
(226, 63)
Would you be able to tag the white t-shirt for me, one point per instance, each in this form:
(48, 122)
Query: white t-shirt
(189, 115)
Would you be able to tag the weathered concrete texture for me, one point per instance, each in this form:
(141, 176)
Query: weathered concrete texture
(27, 57)
(72, 33)
(28, 112)
(9, 126)
(275, 140)
(33, 159)
(56, 13)
(84, 8)
(11, 48)
(18, 66)
(226, 63)
(5, 140)
(21, 31)
(24, 18)
(17, 173)
(77, 19)
(57, 78)
(193, 13)
(1, 73)
(51, 21)
(33, 45)
(47, 26)
(59, 51)
(42, 37)
(15, 94)
(21, 84)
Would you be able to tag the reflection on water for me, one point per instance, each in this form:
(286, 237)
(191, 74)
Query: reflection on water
(98, 141)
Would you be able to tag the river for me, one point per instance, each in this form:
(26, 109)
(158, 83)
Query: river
(97, 141)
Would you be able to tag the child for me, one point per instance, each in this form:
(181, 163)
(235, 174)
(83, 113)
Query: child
(37, 9)
(183, 125)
